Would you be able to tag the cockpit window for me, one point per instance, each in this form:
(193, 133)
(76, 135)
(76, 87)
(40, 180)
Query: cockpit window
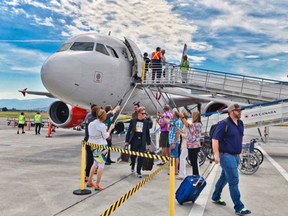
(82, 46)
(112, 51)
(64, 47)
(102, 49)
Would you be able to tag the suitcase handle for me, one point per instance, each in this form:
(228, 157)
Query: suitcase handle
(211, 164)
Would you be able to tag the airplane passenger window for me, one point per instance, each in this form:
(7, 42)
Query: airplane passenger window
(64, 47)
(112, 52)
(101, 48)
(82, 46)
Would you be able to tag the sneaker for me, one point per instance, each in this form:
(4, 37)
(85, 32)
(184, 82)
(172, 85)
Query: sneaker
(160, 164)
(220, 202)
(17, 132)
(244, 211)
(139, 175)
(107, 163)
(132, 170)
(23, 132)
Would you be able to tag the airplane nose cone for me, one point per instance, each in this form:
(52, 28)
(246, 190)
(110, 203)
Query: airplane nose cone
(60, 74)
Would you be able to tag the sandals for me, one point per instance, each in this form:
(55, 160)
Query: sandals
(98, 187)
(91, 185)
(179, 178)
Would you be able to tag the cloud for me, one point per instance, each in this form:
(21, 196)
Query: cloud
(231, 34)
(18, 60)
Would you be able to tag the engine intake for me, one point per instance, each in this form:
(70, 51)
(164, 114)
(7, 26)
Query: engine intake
(66, 116)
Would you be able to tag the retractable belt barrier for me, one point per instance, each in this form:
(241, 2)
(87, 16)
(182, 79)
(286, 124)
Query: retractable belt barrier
(114, 206)
(125, 151)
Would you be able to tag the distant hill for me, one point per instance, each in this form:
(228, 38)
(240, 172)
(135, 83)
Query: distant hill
(30, 104)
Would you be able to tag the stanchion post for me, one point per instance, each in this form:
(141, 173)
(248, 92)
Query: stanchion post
(82, 190)
(172, 187)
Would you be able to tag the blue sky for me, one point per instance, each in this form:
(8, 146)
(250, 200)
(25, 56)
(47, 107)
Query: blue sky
(243, 37)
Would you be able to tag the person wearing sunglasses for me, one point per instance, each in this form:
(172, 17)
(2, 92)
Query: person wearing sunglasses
(227, 149)
(138, 136)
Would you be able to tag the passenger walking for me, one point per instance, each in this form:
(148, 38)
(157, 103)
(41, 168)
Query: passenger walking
(21, 122)
(98, 134)
(227, 149)
(184, 69)
(38, 123)
(136, 105)
(91, 116)
(193, 139)
(164, 131)
(156, 64)
(138, 136)
(110, 113)
(184, 150)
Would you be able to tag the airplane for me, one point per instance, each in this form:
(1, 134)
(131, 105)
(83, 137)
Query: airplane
(100, 69)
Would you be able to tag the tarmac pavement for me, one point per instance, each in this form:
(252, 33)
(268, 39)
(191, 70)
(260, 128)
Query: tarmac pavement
(39, 175)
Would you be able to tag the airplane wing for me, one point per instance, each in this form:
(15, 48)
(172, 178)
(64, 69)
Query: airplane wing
(47, 94)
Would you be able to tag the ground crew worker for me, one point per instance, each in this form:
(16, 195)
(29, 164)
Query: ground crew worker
(21, 122)
(184, 68)
(38, 122)
(156, 64)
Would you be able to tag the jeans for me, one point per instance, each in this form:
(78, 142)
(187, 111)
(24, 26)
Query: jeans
(229, 174)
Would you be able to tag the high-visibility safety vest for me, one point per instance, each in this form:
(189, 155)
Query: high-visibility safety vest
(37, 118)
(21, 119)
(156, 55)
(184, 65)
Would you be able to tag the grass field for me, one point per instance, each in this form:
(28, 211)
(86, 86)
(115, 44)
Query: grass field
(10, 114)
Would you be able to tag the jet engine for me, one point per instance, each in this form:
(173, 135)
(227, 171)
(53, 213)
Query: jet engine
(213, 106)
(66, 116)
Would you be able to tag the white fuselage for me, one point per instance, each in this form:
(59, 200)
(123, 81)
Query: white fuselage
(80, 75)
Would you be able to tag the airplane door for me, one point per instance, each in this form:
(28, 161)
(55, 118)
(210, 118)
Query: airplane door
(136, 55)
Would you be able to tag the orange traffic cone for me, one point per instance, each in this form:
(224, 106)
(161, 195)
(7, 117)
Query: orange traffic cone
(49, 129)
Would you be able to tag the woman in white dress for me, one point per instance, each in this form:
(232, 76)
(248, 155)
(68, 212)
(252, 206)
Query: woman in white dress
(98, 134)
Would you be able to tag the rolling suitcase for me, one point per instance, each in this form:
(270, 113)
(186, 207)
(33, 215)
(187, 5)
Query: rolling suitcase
(148, 163)
(124, 157)
(191, 187)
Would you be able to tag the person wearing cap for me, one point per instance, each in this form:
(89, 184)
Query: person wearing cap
(227, 149)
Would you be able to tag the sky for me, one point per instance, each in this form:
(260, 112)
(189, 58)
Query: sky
(247, 37)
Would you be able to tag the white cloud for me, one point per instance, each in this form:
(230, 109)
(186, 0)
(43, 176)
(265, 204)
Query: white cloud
(251, 56)
(23, 61)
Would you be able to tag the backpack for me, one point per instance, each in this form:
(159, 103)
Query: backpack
(213, 127)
